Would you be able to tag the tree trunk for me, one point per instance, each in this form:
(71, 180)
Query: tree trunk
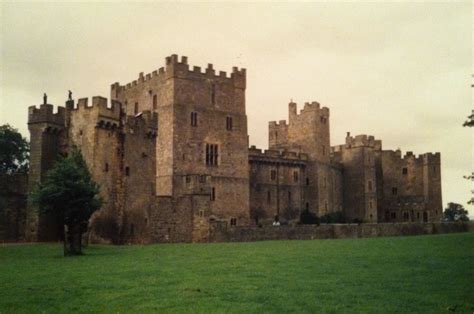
(73, 240)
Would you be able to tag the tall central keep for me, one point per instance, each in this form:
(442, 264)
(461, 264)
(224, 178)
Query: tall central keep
(202, 143)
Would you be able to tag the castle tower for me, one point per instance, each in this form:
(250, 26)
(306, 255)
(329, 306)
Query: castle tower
(359, 158)
(202, 131)
(47, 138)
(432, 187)
(308, 132)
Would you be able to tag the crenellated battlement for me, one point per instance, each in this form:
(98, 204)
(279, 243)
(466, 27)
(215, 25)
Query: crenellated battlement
(98, 104)
(410, 156)
(281, 123)
(274, 154)
(309, 108)
(362, 140)
(45, 114)
(180, 68)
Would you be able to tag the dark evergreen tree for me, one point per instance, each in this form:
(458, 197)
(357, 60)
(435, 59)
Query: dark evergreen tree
(69, 193)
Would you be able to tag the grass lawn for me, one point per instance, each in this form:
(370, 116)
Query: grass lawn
(427, 274)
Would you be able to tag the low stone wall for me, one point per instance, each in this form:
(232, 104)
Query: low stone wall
(224, 233)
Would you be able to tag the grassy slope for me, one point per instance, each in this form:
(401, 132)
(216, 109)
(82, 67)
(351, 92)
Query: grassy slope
(404, 274)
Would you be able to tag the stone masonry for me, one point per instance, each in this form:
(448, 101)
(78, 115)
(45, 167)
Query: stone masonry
(171, 154)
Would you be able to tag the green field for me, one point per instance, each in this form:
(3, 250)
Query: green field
(401, 274)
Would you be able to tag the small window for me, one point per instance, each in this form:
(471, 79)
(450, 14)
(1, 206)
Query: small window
(418, 215)
(269, 197)
(325, 182)
(193, 118)
(229, 125)
(307, 181)
(80, 132)
(393, 215)
(394, 191)
(289, 196)
(307, 206)
(106, 167)
(370, 204)
(136, 108)
(369, 185)
(155, 102)
(201, 213)
(295, 176)
(202, 179)
(127, 171)
(273, 175)
(188, 179)
(213, 194)
(233, 221)
(405, 171)
(324, 150)
(212, 154)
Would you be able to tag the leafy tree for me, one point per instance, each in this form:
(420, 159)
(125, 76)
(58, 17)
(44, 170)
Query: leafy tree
(455, 212)
(14, 151)
(69, 193)
(470, 123)
(470, 120)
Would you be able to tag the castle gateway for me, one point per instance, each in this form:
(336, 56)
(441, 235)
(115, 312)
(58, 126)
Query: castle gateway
(171, 154)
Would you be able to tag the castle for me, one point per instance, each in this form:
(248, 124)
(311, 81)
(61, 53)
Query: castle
(171, 154)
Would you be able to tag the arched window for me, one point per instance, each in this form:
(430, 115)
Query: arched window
(155, 102)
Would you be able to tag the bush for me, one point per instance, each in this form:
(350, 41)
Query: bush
(333, 218)
(308, 218)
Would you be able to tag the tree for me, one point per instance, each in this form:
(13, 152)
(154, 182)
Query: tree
(14, 151)
(470, 123)
(455, 212)
(470, 120)
(69, 193)
(308, 218)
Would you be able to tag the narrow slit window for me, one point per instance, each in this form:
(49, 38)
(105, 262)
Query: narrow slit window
(213, 194)
(295, 176)
(194, 119)
(155, 102)
(229, 125)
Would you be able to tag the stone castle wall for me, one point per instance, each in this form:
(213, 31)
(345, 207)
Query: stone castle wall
(223, 233)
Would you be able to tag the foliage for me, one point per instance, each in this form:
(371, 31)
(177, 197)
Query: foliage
(455, 212)
(69, 193)
(333, 218)
(370, 275)
(470, 120)
(14, 151)
(308, 218)
(470, 123)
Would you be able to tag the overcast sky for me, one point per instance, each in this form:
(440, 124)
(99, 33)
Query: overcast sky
(398, 71)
